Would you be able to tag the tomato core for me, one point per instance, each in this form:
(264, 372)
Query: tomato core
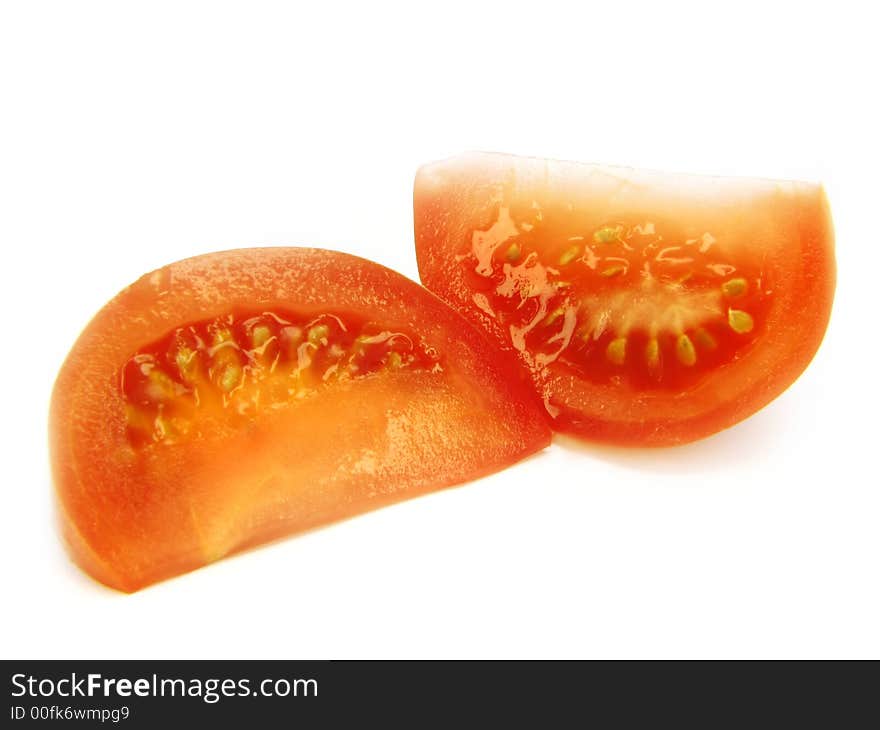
(233, 366)
(633, 300)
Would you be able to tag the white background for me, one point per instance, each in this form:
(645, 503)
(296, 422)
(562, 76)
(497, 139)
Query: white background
(132, 135)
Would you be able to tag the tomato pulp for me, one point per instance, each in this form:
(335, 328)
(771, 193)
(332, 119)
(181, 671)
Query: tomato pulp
(232, 398)
(648, 308)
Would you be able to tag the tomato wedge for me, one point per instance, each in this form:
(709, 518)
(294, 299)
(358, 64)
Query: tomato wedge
(648, 308)
(229, 399)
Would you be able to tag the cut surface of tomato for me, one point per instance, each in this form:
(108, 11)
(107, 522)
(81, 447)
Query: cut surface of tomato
(233, 398)
(648, 308)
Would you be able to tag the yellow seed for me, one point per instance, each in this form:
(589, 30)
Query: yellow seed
(652, 353)
(569, 255)
(734, 287)
(616, 351)
(684, 351)
(613, 270)
(222, 335)
(318, 334)
(394, 360)
(740, 322)
(512, 252)
(705, 340)
(229, 377)
(553, 316)
(260, 336)
(161, 386)
(166, 428)
(607, 234)
(291, 337)
(185, 359)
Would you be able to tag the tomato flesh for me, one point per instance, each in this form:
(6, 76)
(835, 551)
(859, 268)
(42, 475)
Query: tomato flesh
(648, 309)
(233, 398)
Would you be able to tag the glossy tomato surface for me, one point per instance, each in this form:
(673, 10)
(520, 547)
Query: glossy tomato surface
(648, 308)
(232, 398)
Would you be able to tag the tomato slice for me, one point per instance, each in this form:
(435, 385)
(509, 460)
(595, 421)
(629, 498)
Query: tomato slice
(233, 398)
(648, 308)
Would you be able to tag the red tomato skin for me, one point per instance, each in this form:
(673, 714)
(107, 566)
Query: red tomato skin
(455, 197)
(131, 517)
